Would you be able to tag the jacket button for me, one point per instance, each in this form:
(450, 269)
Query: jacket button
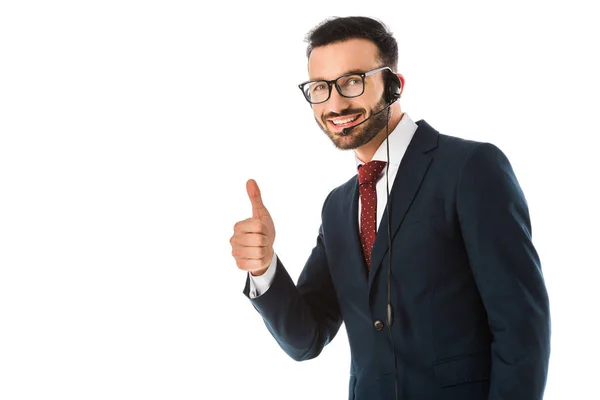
(378, 325)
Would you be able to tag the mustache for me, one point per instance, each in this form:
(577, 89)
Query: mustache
(344, 113)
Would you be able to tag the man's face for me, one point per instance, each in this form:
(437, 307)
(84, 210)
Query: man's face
(337, 59)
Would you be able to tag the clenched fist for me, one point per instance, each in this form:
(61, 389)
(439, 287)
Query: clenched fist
(252, 240)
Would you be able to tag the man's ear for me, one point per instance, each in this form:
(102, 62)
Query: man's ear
(401, 78)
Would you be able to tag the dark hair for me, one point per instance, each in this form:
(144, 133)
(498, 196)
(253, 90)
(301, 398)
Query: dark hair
(343, 28)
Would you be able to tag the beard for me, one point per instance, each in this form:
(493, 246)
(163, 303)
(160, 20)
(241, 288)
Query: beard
(360, 135)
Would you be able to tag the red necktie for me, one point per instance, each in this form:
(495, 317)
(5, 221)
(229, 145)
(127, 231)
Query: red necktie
(367, 178)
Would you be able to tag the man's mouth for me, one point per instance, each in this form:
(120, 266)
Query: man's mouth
(343, 122)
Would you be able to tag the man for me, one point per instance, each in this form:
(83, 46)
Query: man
(466, 312)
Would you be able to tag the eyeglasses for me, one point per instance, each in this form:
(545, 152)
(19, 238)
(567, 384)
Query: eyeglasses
(349, 85)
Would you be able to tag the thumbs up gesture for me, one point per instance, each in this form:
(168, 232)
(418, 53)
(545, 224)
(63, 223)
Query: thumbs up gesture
(252, 240)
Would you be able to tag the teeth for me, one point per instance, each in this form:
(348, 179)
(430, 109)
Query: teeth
(343, 121)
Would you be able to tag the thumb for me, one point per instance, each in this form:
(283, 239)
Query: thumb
(255, 198)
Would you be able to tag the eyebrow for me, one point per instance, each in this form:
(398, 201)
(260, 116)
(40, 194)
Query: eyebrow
(352, 71)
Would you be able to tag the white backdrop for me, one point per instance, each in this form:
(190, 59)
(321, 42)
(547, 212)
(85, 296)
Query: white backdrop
(129, 128)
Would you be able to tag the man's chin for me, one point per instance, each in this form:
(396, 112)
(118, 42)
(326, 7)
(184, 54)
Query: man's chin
(343, 142)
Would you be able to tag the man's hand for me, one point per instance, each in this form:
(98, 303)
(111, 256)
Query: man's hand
(252, 240)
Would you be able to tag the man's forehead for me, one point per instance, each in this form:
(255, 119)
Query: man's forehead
(336, 59)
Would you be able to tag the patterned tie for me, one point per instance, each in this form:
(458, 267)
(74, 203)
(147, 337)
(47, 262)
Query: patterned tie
(367, 178)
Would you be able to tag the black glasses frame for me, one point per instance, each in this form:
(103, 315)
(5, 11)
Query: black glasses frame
(330, 84)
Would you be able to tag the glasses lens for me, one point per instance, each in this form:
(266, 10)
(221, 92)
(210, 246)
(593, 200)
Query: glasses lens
(351, 85)
(316, 92)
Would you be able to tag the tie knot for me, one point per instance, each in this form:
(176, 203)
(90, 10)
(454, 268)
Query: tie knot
(369, 172)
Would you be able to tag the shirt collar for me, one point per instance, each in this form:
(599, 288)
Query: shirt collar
(399, 140)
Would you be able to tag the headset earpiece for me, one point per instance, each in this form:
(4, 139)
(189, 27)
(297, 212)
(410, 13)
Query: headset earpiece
(392, 87)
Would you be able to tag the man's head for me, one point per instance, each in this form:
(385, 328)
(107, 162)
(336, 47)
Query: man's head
(338, 48)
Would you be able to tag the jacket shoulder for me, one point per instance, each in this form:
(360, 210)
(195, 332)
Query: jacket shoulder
(343, 191)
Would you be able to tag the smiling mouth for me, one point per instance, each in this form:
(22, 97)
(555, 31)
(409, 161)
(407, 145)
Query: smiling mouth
(343, 122)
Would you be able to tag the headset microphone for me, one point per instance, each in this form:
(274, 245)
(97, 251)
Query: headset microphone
(389, 310)
(346, 131)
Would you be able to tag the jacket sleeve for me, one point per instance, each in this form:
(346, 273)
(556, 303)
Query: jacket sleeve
(496, 229)
(303, 318)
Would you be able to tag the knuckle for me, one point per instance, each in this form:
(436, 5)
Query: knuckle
(240, 225)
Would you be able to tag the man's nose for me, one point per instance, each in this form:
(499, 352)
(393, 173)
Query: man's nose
(337, 102)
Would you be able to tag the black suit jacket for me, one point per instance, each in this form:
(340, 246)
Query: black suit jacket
(470, 307)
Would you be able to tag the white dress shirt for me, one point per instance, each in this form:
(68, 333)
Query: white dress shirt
(399, 140)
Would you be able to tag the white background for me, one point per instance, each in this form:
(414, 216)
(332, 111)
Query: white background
(129, 128)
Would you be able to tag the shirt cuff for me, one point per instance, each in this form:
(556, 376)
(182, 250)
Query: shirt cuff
(260, 284)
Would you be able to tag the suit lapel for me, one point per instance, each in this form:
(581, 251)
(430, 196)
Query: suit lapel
(410, 175)
(355, 245)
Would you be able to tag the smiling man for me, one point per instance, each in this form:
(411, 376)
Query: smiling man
(440, 287)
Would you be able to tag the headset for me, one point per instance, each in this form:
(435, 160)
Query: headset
(392, 87)
(391, 93)
(393, 90)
